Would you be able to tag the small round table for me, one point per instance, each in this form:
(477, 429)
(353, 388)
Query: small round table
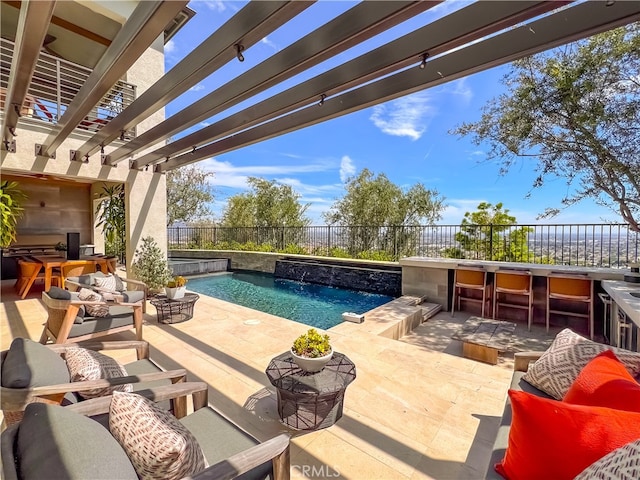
(174, 310)
(310, 401)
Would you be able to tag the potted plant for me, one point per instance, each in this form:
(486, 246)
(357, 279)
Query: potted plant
(176, 288)
(311, 351)
(151, 266)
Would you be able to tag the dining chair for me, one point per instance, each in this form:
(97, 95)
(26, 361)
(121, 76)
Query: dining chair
(467, 279)
(75, 268)
(28, 272)
(511, 282)
(564, 288)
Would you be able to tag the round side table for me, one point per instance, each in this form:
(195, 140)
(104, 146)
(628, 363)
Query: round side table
(174, 310)
(310, 401)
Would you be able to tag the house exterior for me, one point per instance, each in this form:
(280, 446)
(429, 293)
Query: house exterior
(70, 64)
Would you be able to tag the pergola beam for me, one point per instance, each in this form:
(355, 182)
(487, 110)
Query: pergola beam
(144, 26)
(452, 31)
(247, 27)
(570, 24)
(33, 24)
(361, 22)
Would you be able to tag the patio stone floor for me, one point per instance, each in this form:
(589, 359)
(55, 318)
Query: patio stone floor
(416, 410)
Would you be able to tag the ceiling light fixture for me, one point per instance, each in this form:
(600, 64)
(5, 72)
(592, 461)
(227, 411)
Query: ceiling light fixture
(424, 61)
(239, 50)
(321, 102)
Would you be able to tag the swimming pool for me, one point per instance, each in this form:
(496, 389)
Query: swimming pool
(315, 305)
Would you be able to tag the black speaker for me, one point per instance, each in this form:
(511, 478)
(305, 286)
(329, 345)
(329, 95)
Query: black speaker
(73, 246)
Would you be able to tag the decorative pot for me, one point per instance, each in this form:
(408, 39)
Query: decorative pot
(175, 292)
(309, 364)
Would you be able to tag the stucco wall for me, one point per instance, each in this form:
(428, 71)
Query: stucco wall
(145, 190)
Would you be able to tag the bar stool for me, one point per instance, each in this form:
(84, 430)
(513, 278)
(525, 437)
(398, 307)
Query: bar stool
(571, 287)
(474, 278)
(513, 282)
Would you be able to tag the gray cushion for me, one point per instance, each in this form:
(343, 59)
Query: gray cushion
(30, 364)
(58, 293)
(133, 296)
(100, 324)
(228, 439)
(54, 442)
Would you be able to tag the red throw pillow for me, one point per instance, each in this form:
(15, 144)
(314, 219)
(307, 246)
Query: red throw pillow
(605, 382)
(552, 439)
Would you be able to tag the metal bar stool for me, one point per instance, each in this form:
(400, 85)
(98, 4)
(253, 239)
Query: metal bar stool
(513, 282)
(474, 278)
(571, 287)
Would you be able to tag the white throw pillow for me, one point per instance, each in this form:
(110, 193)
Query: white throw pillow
(108, 282)
(555, 371)
(86, 365)
(157, 444)
(90, 296)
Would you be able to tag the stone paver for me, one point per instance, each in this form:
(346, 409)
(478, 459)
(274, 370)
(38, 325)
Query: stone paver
(416, 410)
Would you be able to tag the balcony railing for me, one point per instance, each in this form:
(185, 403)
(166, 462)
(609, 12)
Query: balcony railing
(56, 83)
(589, 245)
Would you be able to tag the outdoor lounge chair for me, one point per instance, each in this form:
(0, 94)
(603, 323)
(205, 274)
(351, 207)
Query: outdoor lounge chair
(228, 450)
(32, 372)
(135, 290)
(69, 319)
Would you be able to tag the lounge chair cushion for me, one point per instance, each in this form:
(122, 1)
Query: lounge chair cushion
(157, 444)
(90, 296)
(31, 364)
(86, 450)
(119, 316)
(552, 439)
(559, 366)
(604, 382)
(206, 420)
(58, 293)
(621, 464)
(86, 365)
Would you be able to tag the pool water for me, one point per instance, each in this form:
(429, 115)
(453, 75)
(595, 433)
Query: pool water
(314, 305)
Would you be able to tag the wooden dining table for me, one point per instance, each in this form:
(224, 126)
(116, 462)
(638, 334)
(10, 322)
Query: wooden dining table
(49, 262)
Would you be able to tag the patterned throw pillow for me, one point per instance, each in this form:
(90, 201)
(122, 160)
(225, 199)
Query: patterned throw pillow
(90, 296)
(558, 367)
(108, 282)
(621, 464)
(157, 444)
(86, 364)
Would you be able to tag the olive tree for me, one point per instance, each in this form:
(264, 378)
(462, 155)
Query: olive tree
(188, 194)
(575, 111)
(381, 216)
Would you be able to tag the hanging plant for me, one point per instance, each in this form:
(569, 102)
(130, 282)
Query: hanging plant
(11, 199)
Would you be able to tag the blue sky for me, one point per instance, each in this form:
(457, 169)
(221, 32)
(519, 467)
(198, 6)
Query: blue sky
(406, 139)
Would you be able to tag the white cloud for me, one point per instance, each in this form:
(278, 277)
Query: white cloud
(347, 168)
(269, 43)
(461, 88)
(170, 47)
(196, 88)
(405, 117)
(216, 5)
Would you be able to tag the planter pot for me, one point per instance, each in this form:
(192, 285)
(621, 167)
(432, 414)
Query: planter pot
(311, 365)
(175, 292)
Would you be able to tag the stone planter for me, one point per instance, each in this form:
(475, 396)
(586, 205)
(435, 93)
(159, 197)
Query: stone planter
(311, 365)
(175, 292)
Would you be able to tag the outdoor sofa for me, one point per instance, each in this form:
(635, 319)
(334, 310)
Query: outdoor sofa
(131, 291)
(71, 319)
(45, 443)
(561, 426)
(32, 372)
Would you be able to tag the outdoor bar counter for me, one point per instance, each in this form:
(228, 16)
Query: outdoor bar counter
(625, 309)
(433, 277)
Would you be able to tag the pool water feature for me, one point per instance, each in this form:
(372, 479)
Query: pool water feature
(315, 305)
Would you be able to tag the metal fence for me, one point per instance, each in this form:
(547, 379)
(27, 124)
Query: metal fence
(597, 245)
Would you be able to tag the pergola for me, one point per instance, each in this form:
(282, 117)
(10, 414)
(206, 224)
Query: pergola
(476, 37)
